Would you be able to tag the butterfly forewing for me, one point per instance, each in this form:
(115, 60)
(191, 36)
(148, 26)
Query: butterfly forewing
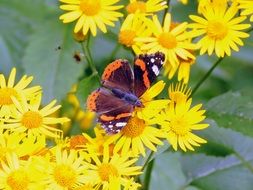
(118, 74)
(146, 69)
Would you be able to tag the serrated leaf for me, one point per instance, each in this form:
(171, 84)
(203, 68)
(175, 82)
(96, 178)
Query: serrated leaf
(85, 87)
(54, 69)
(232, 110)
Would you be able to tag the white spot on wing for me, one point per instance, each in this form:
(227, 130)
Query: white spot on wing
(155, 70)
(121, 124)
(152, 60)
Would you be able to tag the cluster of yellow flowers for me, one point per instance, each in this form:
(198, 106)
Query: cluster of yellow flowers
(28, 161)
(217, 29)
(34, 152)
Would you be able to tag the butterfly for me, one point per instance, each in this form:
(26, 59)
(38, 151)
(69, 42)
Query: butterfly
(122, 88)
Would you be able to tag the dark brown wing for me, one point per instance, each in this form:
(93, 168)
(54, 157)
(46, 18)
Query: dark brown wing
(113, 113)
(146, 69)
(118, 74)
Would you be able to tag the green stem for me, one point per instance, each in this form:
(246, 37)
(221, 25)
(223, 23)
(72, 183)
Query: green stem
(147, 161)
(148, 175)
(206, 75)
(166, 10)
(87, 54)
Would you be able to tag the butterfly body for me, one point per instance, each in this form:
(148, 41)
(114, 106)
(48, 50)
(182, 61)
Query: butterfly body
(122, 88)
(129, 98)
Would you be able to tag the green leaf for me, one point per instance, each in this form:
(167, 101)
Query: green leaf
(210, 172)
(85, 87)
(17, 20)
(167, 172)
(232, 110)
(54, 69)
(178, 171)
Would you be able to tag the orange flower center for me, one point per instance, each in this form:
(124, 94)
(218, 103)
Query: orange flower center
(126, 37)
(179, 126)
(136, 6)
(31, 120)
(77, 141)
(217, 30)
(167, 40)
(134, 127)
(90, 7)
(6, 94)
(18, 180)
(107, 170)
(64, 175)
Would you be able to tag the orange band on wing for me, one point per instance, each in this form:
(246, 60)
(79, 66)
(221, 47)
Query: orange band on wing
(107, 118)
(123, 115)
(110, 68)
(140, 63)
(91, 101)
(146, 79)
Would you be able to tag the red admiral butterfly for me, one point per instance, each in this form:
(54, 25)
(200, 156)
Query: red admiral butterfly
(122, 87)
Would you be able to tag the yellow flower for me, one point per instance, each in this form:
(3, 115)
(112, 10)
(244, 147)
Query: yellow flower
(20, 144)
(11, 89)
(221, 30)
(172, 41)
(138, 133)
(85, 119)
(29, 118)
(179, 122)
(247, 6)
(135, 136)
(15, 174)
(134, 26)
(96, 145)
(178, 93)
(183, 68)
(148, 7)
(91, 14)
(214, 4)
(151, 107)
(65, 172)
(83, 187)
(111, 173)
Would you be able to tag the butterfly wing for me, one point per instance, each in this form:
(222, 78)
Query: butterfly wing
(113, 112)
(118, 74)
(146, 69)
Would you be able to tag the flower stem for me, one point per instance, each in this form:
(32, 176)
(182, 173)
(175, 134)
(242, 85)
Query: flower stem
(147, 160)
(206, 75)
(87, 54)
(148, 175)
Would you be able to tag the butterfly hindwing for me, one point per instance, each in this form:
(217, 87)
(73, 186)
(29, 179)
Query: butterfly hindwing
(113, 112)
(103, 101)
(115, 120)
(118, 74)
(146, 69)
